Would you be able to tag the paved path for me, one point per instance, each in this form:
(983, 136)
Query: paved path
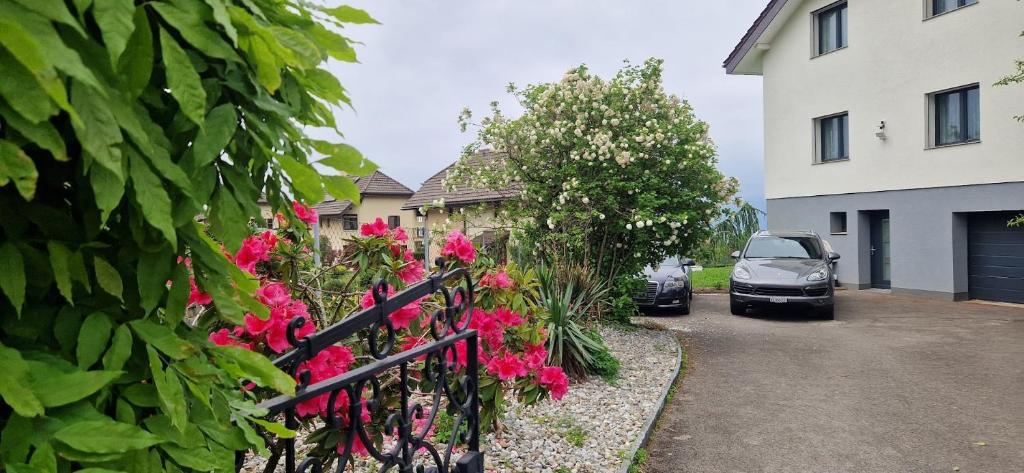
(895, 384)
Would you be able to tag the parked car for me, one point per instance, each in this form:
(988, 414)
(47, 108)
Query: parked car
(668, 285)
(783, 268)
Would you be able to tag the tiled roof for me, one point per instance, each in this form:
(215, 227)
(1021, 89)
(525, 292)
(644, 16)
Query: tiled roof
(377, 183)
(432, 190)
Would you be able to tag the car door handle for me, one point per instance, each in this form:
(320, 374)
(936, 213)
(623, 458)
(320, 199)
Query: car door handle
(872, 250)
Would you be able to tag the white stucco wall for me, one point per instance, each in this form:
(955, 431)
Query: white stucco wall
(894, 59)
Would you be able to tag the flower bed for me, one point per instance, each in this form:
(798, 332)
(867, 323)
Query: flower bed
(595, 427)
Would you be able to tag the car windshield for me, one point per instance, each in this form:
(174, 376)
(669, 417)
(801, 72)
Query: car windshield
(670, 261)
(783, 247)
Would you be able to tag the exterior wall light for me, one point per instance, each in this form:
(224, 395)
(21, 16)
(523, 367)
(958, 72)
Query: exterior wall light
(881, 131)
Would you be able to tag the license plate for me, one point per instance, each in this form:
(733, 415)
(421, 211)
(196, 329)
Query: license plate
(778, 300)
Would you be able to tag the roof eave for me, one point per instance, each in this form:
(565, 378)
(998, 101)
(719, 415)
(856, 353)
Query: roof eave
(745, 58)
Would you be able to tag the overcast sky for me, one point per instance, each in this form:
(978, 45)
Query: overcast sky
(428, 59)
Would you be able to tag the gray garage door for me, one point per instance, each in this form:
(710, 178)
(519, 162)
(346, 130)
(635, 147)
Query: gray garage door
(995, 269)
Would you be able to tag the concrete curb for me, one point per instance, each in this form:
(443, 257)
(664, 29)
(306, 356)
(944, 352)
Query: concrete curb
(651, 421)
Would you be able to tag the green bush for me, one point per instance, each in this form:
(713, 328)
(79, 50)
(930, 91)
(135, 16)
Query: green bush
(605, 364)
(566, 307)
(121, 126)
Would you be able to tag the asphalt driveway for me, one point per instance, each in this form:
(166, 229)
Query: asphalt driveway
(895, 384)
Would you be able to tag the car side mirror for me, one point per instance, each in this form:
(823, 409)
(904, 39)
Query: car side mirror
(833, 256)
(689, 262)
(735, 255)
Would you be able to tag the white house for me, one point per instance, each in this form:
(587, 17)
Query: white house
(884, 132)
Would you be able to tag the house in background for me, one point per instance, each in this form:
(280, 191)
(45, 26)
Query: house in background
(381, 196)
(472, 211)
(885, 134)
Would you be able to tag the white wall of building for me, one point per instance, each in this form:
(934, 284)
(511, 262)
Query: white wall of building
(894, 59)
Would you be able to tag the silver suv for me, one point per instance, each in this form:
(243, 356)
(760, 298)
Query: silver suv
(783, 268)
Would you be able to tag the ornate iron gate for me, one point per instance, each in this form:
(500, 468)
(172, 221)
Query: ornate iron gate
(362, 385)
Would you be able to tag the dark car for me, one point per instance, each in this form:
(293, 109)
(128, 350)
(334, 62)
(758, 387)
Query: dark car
(783, 268)
(668, 285)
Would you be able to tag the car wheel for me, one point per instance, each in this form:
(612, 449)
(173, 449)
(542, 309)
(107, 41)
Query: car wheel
(685, 309)
(737, 308)
(828, 313)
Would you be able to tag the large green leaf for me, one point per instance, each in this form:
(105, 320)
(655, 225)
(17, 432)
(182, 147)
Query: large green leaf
(136, 64)
(16, 166)
(186, 16)
(105, 436)
(108, 277)
(347, 14)
(55, 10)
(114, 18)
(303, 52)
(344, 158)
(108, 188)
(13, 384)
(164, 339)
(169, 391)
(55, 388)
(23, 46)
(20, 89)
(60, 261)
(12, 278)
(43, 134)
(152, 198)
(341, 187)
(305, 179)
(227, 220)
(99, 131)
(182, 79)
(120, 349)
(218, 128)
(256, 367)
(153, 270)
(325, 85)
(92, 339)
(220, 14)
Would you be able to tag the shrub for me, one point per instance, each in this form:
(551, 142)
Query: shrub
(121, 124)
(568, 345)
(612, 174)
(605, 364)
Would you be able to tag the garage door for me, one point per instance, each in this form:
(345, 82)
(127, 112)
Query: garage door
(995, 269)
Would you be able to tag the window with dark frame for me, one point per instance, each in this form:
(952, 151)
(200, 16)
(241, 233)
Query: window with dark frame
(834, 138)
(837, 222)
(832, 28)
(349, 222)
(942, 6)
(957, 116)
(394, 221)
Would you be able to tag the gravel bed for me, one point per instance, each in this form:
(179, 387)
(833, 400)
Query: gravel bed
(592, 428)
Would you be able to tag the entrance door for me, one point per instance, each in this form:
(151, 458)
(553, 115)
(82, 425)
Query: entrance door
(880, 251)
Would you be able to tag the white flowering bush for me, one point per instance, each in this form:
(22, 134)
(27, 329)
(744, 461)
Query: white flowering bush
(612, 174)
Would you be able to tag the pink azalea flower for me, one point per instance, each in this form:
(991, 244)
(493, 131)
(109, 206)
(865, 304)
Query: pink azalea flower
(506, 367)
(507, 317)
(400, 318)
(376, 229)
(400, 235)
(489, 328)
(305, 213)
(497, 280)
(459, 247)
(555, 381)
(274, 295)
(254, 249)
(412, 272)
(536, 356)
(223, 337)
(196, 296)
(255, 326)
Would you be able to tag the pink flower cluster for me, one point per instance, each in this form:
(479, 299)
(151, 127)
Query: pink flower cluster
(498, 280)
(255, 249)
(401, 318)
(460, 247)
(305, 213)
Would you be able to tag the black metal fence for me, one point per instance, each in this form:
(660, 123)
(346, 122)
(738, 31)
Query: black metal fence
(407, 422)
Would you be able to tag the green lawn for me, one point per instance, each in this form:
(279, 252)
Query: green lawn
(712, 278)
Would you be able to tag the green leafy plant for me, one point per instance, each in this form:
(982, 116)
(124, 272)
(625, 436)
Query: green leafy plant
(568, 345)
(728, 235)
(605, 364)
(122, 126)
